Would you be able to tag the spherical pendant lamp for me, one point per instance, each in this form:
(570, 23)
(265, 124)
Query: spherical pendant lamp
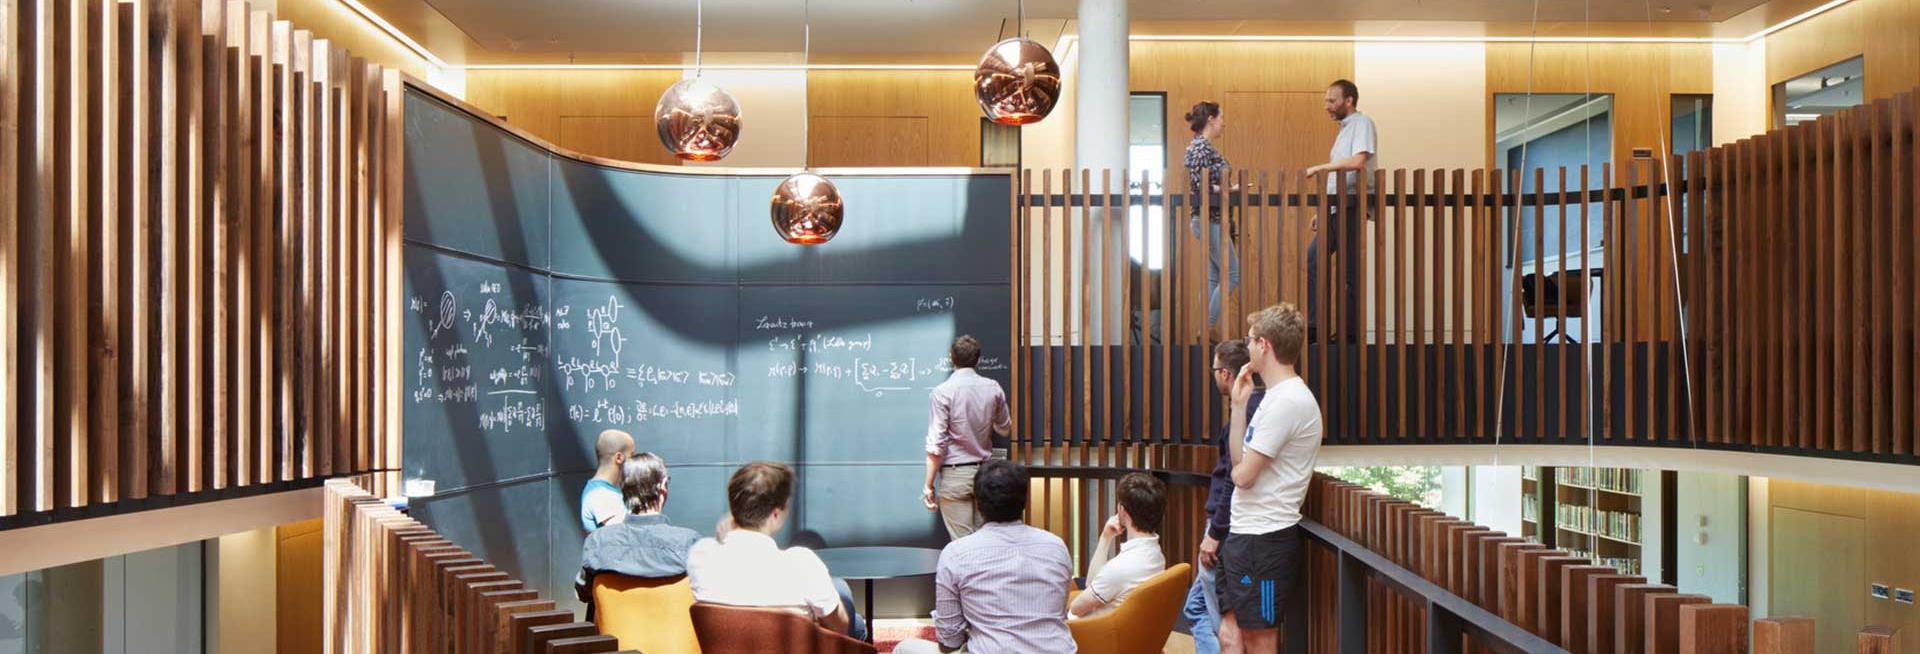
(807, 209)
(1017, 82)
(697, 120)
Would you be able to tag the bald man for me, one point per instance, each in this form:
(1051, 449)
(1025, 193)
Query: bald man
(600, 501)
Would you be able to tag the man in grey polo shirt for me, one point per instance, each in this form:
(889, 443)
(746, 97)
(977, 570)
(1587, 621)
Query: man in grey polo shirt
(1353, 155)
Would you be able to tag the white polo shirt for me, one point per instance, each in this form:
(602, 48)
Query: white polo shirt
(1139, 560)
(1356, 135)
(749, 569)
(1286, 428)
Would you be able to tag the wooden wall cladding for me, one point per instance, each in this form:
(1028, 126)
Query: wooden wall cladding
(197, 256)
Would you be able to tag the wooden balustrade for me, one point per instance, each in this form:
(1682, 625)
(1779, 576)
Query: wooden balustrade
(395, 586)
(1756, 296)
(199, 256)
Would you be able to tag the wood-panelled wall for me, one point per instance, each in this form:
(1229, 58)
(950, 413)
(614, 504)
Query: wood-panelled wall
(1866, 539)
(858, 118)
(1275, 115)
(1642, 78)
(394, 586)
(1878, 31)
(199, 257)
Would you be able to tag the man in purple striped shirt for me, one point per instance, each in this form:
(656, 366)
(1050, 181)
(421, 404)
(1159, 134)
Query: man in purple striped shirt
(965, 411)
(1003, 589)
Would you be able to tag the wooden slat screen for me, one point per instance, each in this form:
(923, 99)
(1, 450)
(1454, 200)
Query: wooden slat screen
(198, 238)
(1753, 296)
(393, 585)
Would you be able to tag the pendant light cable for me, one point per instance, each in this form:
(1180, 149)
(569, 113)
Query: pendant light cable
(699, 28)
(806, 105)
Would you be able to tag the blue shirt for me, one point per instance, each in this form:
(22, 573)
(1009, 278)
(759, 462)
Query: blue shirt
(639, 546)
(600, 503)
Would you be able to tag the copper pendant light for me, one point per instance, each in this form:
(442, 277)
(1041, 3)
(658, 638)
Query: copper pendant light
(696, 119)
(807, 208)
(1017, 81)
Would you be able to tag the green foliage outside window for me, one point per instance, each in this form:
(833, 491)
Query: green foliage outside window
(1418, 484)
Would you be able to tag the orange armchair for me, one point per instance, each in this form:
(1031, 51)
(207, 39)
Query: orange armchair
(759, 630)
(1142, 621)
(652, 615)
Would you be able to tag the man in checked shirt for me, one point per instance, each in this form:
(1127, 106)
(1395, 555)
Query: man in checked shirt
(967, 409)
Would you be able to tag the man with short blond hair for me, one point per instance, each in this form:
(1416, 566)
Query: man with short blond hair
(1272, 467)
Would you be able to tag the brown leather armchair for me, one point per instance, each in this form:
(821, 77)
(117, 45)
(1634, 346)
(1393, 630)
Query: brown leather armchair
(726, 629)
(1142, 621)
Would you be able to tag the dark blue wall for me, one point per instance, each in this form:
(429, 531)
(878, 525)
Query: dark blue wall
(550, 299)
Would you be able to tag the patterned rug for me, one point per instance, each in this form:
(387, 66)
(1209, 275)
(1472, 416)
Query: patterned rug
(887, 638)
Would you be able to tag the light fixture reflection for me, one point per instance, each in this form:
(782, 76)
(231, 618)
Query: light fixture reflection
(807, 209)
(697, 120)
(1017, 82)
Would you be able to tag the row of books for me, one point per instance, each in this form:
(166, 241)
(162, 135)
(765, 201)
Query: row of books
(1625, 480)
(1612, 524)
(1626, 566)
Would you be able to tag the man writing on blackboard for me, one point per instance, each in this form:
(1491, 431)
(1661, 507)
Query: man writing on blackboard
(966, 410)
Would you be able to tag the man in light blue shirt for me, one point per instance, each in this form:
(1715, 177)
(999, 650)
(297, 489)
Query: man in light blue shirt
(600, 502)
(1352, 157)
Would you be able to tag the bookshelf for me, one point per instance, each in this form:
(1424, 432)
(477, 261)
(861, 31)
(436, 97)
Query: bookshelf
(1596, 513)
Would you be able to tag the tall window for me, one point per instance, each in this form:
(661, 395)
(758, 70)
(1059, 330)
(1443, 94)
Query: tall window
(1820, 92)
(1551, 131)
(1147, 154)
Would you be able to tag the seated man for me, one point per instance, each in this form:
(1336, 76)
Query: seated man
(1111, 578)
(1001, 589)
(642, 545)
(600, 501)
(743, 566)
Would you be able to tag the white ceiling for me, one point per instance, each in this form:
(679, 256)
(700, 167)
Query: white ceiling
(950, 26)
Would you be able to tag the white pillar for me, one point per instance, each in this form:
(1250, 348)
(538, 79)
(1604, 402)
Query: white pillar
(1100, 99)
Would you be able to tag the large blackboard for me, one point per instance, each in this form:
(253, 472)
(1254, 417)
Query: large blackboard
(550, 299)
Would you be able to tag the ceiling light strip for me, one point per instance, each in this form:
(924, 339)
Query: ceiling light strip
(760, 67)
(392, 32)
(1070, 39)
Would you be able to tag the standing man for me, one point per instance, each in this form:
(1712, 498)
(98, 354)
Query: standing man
(1202, 608)
(1272, 467)
(966, 411)
(1352, 156)
(600, 502)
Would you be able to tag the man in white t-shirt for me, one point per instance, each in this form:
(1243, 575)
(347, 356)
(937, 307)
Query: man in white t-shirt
(1110, 577)
(743, 566)
(1272, 467)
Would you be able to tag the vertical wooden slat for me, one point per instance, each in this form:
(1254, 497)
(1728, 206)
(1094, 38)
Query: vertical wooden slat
(395, 151)
(1403, 219)
(1586, 274)
(1373, 414)
(1612, 274)
(1421, 277)
(217, 111)
(1473, 418)
(11, 47)
(1087, 254)
(186, 16)
(323, 242)
(1561, 355)
(1457, 292)
(1536, 427)
(1858, 172)
(1906, 177)
(36, 248)
(1878, 265)
(285, 140)
(1046, 323)
(74, 253)
(164, 215)
(103, 341)
(1631, 301)
(134, 277)
(1169, 233)
(261, 226)
(1127, 321)
(305, 257)
(1494, 343)
(1108, 307)
(241, 163)
(1699, 262)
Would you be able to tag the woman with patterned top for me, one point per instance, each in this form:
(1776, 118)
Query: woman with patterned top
(1203, 158)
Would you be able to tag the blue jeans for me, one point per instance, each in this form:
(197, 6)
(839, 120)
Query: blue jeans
(856, 624)
(1202, 611)
(1216, 249)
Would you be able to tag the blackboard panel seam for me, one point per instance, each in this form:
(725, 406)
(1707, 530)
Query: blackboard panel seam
(474, 256)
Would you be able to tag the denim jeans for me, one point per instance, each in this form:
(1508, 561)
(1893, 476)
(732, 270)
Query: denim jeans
(856, 624)
(1216, 249)
(1202, 611)
(1336, 226)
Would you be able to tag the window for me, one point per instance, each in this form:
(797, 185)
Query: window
(1551, 131)
(1819, 93)
(1147, 155)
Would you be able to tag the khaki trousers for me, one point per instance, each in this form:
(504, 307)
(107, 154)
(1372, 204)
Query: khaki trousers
(954, 491)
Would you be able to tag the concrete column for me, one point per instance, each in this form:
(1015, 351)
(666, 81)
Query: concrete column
(1100, 100)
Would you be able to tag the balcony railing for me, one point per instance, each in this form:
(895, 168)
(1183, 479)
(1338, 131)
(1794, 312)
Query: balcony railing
(1759, 296)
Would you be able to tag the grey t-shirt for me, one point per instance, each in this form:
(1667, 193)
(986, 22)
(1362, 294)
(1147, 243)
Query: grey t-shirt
(1356, 135)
